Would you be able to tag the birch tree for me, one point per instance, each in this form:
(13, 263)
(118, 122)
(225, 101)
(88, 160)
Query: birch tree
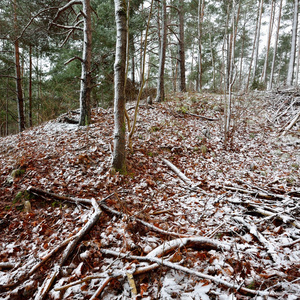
(119, 152)
(290, 74)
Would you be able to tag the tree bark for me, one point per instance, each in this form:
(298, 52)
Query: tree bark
(30, 86)
(271, 23)
(275, 47)
(201, 4)
(290, 75)
(181, 46)
(19, 92)
(119, 153)
(162, 54)
(85, 84)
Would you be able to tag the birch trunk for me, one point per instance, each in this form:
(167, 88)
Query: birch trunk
(275, 47)
(85, 84)
(290, 75)
(119, 153)
(162, 54)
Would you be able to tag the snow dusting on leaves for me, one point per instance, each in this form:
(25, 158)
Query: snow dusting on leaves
(243, 197)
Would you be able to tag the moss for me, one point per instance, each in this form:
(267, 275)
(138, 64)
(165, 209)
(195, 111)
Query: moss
(203, 149)
(17, 172)
(22, 196)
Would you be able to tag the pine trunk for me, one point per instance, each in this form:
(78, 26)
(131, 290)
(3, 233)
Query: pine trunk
(119, 154)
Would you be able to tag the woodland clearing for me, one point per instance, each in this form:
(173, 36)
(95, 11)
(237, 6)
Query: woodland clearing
(191, 219)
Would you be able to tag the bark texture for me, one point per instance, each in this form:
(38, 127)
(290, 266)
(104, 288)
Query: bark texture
(119, 153)
(162, 54)
(85, 84)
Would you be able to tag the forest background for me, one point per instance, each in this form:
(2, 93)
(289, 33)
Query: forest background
(221, 46)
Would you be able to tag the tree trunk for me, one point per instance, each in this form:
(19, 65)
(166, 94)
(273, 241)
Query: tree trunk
(85, 84)
(201, 4)
(162, 54)
(181, 50)
(257, 40)
(290, 75)
(271, 23)
(30, 86)
(119, 154)
(275, 47)
(19, 91)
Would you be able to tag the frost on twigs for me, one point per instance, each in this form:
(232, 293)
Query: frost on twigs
(182, 221)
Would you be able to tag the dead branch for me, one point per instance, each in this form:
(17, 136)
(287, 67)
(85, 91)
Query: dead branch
(291, 124)
(201, 117)
(187, 270)
(195, 242)
(104, 207)
(178, 172)
(253, 230)
(48, 282)
(6, 265)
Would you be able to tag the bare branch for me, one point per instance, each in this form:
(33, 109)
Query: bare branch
(73, 58)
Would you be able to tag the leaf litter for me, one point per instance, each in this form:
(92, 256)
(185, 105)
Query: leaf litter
(242, 199)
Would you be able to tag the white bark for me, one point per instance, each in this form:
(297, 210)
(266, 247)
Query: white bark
(290, 75)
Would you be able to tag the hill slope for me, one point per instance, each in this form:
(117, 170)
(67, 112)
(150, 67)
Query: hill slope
(239, 205)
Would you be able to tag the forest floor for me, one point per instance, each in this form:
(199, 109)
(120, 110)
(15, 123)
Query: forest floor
(224, 225)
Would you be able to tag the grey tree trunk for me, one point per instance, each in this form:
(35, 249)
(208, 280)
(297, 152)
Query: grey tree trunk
(271, 23)
(257, 40)
(201, 4)
(19, 92)
(119, 152)
(85, 84)
(290, 75)
(275, 47)
(181, 46)
(162, 54)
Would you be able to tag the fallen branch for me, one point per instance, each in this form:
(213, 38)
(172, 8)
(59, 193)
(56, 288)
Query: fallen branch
(291, 124)
(105, 208)
(178, 172)
(186, 270)
(253, 230)
(42, 292)
(201, 117)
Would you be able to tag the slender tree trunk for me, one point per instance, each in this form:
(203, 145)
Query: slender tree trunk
(275, 47)
(254, 43)
(119, 153)
(30, 86)
(271, 23)
(181, 47)
(298, 62)
(201, 4)
(19, 91)
(257, 40)
(162, 54)
(290, 75)
(212, 62)
(85, 84)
